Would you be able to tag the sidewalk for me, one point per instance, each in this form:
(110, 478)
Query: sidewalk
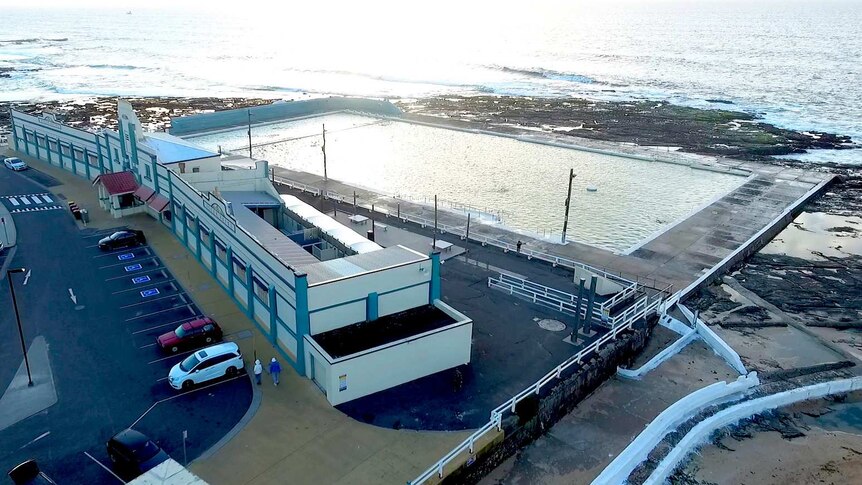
(295, 436)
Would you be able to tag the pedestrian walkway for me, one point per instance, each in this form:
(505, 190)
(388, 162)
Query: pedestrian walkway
(295, 436)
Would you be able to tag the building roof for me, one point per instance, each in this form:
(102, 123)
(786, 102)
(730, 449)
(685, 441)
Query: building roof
(171, 149)
(158, 202)
(323, 271)
(338, 231)
(118, 183)
(250, 198)
(144, 193)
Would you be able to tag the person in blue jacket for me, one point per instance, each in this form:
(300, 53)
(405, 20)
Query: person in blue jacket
(275, 370)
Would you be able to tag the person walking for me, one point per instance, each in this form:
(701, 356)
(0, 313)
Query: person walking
(275, 370)
(258, 371)
(518, 245)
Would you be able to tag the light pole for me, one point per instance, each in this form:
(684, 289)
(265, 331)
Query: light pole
(9, 274)
(249, 132)
(568, 203)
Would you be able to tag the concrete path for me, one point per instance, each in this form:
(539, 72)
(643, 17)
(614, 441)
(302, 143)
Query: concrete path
(296, 436)
(8, 233)
(20, 401)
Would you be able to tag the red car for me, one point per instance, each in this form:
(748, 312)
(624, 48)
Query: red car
(191, 335)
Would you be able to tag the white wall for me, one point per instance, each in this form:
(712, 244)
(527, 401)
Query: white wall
(376, 370)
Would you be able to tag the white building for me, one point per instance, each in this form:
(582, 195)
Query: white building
(353, 316)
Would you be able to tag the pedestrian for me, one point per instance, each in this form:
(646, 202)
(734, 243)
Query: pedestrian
(518, 245)
(275, 370)
(258, 371)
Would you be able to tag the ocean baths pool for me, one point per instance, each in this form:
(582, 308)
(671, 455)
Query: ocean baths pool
(525, 182)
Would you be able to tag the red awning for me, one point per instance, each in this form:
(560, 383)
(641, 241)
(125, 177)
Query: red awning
(119, 183)
(144, 193)
(158, 202)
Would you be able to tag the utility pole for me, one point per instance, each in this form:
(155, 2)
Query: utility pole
(9, 274)
(249, 132)
(568, 203)
(325, 178)
(434, 244)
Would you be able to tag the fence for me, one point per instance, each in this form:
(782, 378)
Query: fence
(641, 309)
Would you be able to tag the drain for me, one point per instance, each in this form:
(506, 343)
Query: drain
(552, 325)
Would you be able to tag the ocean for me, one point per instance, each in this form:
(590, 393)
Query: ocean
(796, 63)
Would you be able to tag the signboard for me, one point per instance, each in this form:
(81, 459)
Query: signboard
(342, 382)
(133, 267)
(606, 314)
(140, 279)
(150, 292)
(125, 257)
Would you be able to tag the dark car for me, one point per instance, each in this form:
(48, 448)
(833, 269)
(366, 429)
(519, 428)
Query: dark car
(28, 473)
(132, 452)
(190, 335)
(122, 239)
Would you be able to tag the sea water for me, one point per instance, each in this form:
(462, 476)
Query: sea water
(795, 62)
(526, 182)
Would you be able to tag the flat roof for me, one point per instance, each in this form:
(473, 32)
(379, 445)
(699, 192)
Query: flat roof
(362, 336)
(171, 149)
(322, 271)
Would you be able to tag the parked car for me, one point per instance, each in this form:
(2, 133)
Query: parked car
(205, 365)
(28, 473)
(122, 239)
(15, 164)
(131, 451)
(190, 335)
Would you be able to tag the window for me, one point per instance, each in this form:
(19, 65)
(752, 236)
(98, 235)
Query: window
(261, 290)
(239, 269)
(40, 141)
(52, 145)
(30, 137)
(221, 252)
(206, 237)
(79, 154)
(93, 160)
(191, 222)
(196, 169)
(148, 172)
(65, 150)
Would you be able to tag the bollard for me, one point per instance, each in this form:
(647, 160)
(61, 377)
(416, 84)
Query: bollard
(574, 336)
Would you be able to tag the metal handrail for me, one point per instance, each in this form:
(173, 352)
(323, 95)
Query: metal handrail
(645, 305)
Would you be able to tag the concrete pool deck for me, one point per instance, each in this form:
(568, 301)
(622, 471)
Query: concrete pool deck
(679, 256)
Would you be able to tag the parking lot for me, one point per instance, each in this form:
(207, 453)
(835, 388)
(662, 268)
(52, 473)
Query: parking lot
(100, 313)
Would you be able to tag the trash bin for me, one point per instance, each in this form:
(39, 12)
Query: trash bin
(370, 235)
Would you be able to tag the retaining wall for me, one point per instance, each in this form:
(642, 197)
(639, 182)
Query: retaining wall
(535, 415)
(281, 110)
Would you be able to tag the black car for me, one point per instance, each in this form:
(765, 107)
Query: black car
(132, 452)
(122, 239)
(28, 473)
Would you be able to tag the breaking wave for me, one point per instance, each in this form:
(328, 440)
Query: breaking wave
(546, 74)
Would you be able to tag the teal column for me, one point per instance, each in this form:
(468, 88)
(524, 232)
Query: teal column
(185, 229)
(123, 146)
(371, 306)
(133, 140)
(250, 291)
(72, 153)
(435, 277)
(48, 149)
(213, 259)
(108, 149)
(273, 315)
(303, 321)
(173, 212)
(198, 238)
(155, 174)
(100, 157)
(87, 163)
(26, 143)
(229, 253)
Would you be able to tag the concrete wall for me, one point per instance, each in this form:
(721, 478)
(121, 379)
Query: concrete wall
(277, 111)
(373, 370)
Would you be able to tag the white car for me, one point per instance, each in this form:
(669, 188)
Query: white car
(205, 365)
(15, 164)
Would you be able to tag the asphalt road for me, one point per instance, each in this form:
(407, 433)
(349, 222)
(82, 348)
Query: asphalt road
(108, 373)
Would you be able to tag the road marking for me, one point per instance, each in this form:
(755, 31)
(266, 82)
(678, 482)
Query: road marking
(160, 268)
(184, 393)
(156, 313)
(150, 292)
(140, 279)
(47, 199)
(150, 301)
(46, 433)
(126, 256)
(104, 233)
(73, 297)
(180, 354)
(14, 201)
(123, 264)
(25, 200)
(148, 345)
(106, 468)
(139, 288)
(189, 319)
(112, 253)
(133, 267)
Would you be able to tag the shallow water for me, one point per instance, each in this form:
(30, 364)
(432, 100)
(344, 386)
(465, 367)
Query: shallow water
(527, 182)
(830, 235)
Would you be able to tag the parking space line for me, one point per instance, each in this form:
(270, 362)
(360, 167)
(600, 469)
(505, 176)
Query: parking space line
(126, 263)
(156, 313)
(242, 374)
(106, 468)
(142, 288)
(105, 233)
(122, 251)
(172, 356)
(154, 299)
(160, 268)
(195, 317)
(148, 345)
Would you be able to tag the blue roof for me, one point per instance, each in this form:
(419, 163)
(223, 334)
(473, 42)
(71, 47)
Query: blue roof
(170, 149)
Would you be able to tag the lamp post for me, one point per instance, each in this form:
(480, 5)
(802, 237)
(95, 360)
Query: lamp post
(568, 203)
(9, 274)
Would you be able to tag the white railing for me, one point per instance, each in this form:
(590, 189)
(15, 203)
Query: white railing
(542, 295)
(643, 307)
(297, 185)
